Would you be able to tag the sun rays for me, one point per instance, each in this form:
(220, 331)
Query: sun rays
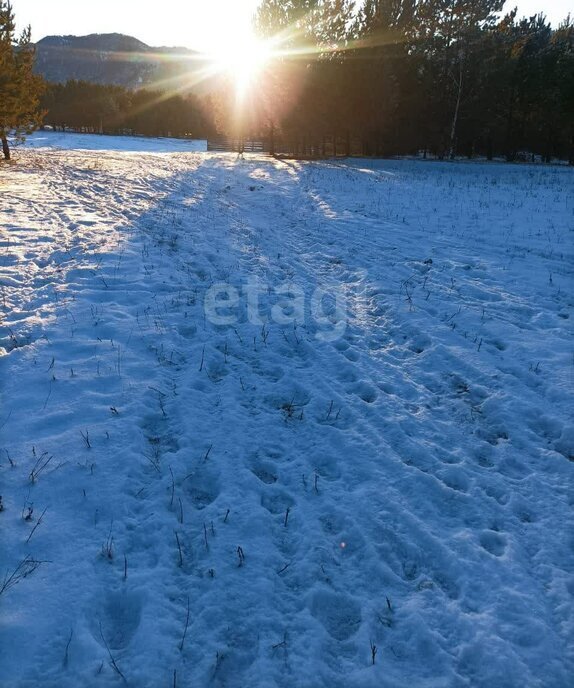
(242, 61)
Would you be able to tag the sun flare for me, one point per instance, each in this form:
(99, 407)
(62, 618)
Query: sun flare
(242, 60)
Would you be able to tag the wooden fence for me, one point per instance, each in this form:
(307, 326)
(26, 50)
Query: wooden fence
(224, 144)
(300, 146)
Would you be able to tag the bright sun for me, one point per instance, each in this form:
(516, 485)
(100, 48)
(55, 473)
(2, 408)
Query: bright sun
(242, 59)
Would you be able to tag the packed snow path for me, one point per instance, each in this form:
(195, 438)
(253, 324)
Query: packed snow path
(251, 504)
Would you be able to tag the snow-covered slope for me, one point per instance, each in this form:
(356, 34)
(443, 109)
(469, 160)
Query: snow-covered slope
(258, 503)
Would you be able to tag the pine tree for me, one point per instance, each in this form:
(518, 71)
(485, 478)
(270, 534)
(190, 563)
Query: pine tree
(20, 89)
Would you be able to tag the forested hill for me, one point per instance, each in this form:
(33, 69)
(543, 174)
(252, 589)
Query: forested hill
(114, 59)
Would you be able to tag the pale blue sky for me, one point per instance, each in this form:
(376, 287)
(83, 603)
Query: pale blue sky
(200, 24)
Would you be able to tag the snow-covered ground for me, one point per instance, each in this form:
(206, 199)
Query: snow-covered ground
(196, 497)
(133, 144)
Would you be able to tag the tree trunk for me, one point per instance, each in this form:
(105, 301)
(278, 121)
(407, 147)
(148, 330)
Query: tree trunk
(452, 146)
(5, 148)
(489, 148)
(510, 134)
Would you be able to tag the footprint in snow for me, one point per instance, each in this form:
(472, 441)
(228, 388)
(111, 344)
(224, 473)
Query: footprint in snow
(493, 542)
(117, 617)
(339, 614)
(264, 473)
(366, 392)
(202, 487)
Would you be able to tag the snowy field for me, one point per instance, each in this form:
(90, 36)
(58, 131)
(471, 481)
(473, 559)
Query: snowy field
(134, 144)
(273, 491)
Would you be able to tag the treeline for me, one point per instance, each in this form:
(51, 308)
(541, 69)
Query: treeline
(93, 108)
(446, 77)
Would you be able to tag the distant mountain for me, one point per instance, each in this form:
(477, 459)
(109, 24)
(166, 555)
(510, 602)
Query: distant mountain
(113, 58)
